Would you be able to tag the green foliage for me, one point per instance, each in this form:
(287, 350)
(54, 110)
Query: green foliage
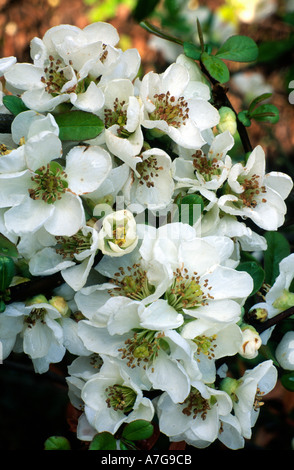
(6, 272)
(277, 249)
(215, 67)
(103, 441)
(14, 104)
(137, 430)
(188, 207)
(287, 381)
(7, 248)
(263, 113)
(239, 49)
(57, 443)
(78, 125)
(255, 271)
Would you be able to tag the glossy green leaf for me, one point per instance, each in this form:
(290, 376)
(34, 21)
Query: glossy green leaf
(239, 49)
(57, 443)
(78, 125)
(192, 51)
(266, 113)
(243, 117)
(277, 249)
(258, 100)
(138, 430)
(6, 272)
(215, 67)
(14, 104)
(103, 441)
(7, 248)
(255, 271)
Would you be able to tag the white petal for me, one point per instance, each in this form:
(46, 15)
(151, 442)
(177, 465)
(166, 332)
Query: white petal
(87, 168)
(68, 216)
(28, 216)
(92, 100)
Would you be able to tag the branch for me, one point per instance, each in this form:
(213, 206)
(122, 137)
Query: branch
(276, 319)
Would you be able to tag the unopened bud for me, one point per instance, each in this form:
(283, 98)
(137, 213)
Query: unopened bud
(286, 300)
(118, 234)
(227, 120)
(37, 299)
(60, 304)
(251, 342)
(230, 385)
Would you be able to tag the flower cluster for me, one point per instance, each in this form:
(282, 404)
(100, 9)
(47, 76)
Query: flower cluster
(150, 303)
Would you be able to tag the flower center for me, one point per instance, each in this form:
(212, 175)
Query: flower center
(70, 246)
(49, 183)
(143, 347)
(117, 115)
(120, 398)
(4, 150)
(54, 76)
(252, 189)
(258, 401)
(205, 345)
(207, 167)
(196, 405)
(148, 170)
(168, 108)
(185, 291)
(134, 285)
(37, 314)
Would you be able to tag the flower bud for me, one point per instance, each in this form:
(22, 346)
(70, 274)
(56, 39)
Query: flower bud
(258, 314)
(251, 342)
(118, 234)
(286, 300)
(37, 299)
(285, 351)
(227, 120)
(230, 385)
(60, 304)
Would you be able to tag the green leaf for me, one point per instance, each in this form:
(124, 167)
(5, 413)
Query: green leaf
(78, 125)
(277, 249)
(103, 441)
(255, 271)
(243, 117)
(14, 104)
(7, 248)
(57, 443)
(190, 208)
(239, 49)
(287, 381)
(266, 113)
(138, 430)
(192, 51)
(158, 32)
(257, 100)
(215, 67)
(6, 272)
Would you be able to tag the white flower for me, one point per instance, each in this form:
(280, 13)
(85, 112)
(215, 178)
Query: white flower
(285, 351)
(73, 256)
(118, 234)
(49, 195)
(212, 341)
(170, 107)
(151, 184)
(256, 195)
(278, 297)
(122, 115)
(33, 136)
(34, 329)
(112, 398)
(70, 65)
(197, 419)
(247, 393)
(206, 169)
